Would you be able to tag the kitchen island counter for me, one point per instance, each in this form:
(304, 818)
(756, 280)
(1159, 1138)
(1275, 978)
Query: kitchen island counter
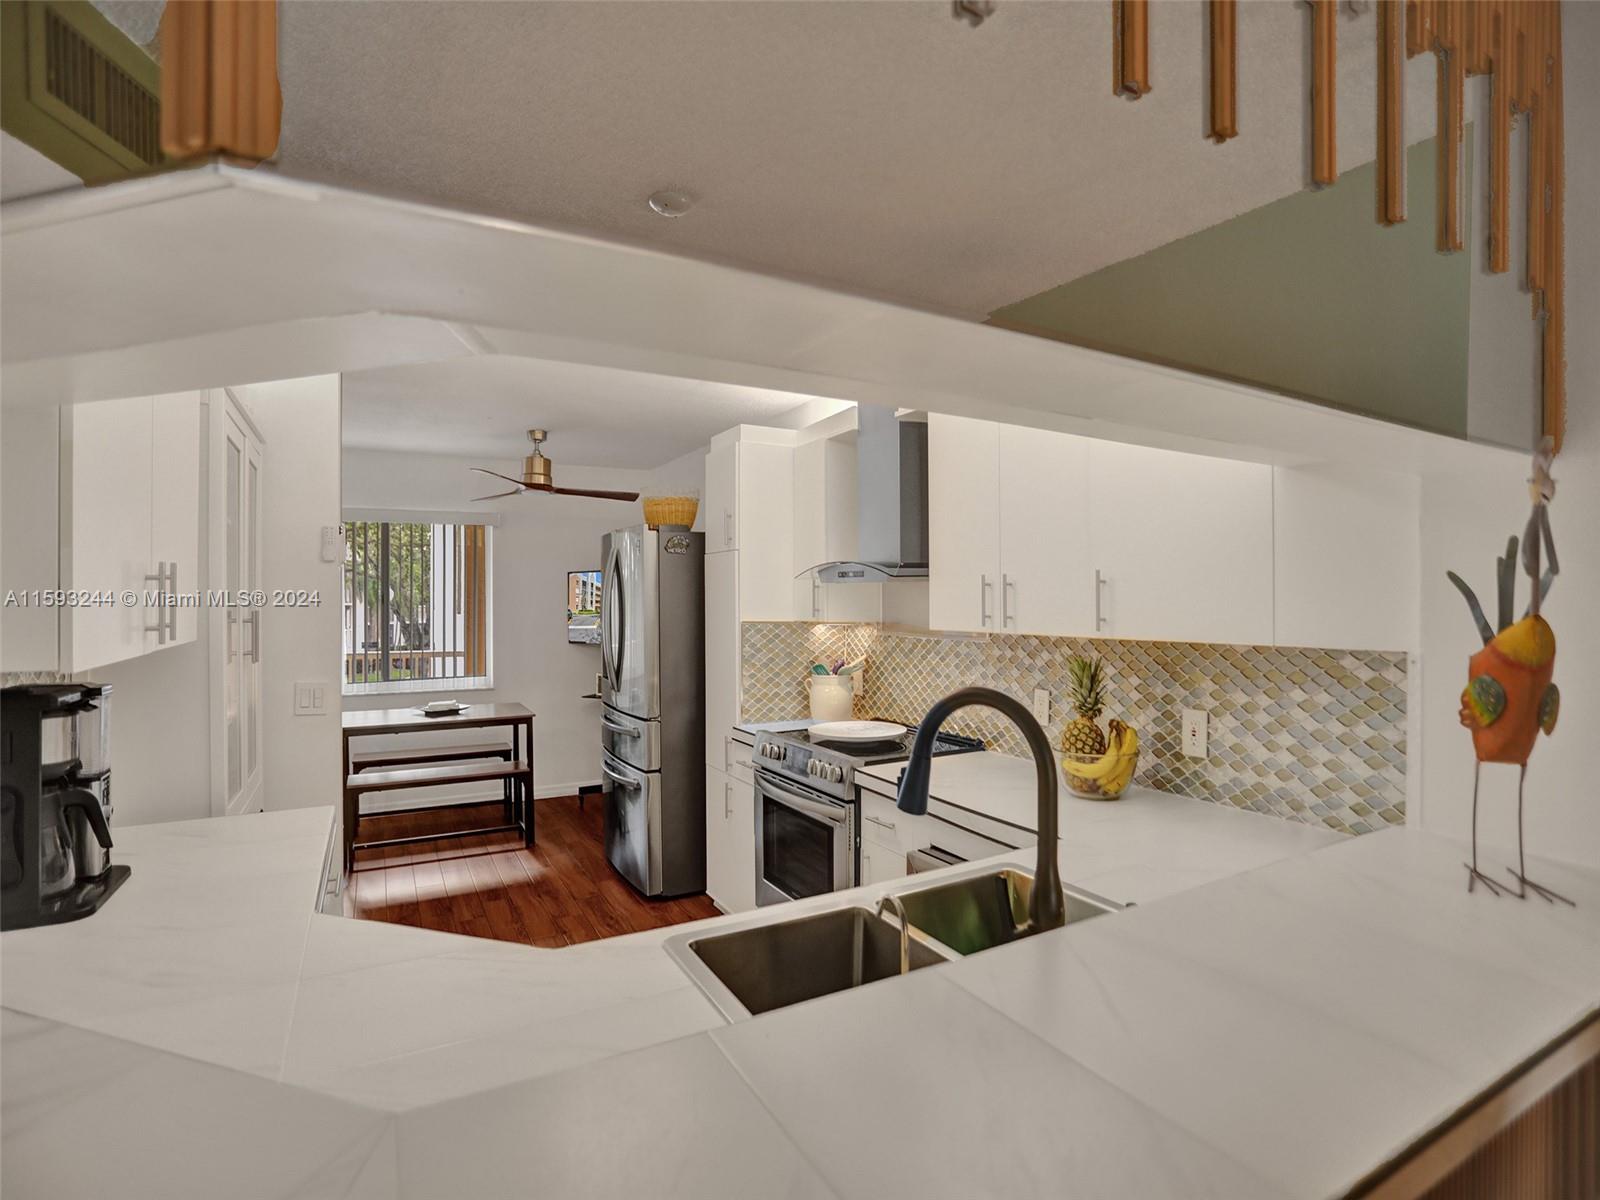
(1281, 1032)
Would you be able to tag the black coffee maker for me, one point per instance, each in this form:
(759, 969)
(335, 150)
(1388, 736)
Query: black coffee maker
(55, 804)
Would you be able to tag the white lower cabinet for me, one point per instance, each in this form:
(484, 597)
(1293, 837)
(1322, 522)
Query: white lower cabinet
(730, 841)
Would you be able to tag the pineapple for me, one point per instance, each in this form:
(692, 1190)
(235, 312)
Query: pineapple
(1086, 686)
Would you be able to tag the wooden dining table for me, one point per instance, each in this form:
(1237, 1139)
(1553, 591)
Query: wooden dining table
(513, 765)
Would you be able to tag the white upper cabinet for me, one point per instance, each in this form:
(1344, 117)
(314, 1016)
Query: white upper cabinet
(1346, 557)
(30, 541)
(750, 508)
(1182, 544)
(1007, 529)
(1033, 531)
(108, 546)
(963, 523)
(1046, 580)
(130, 525)
(177, 425)
(721, 497)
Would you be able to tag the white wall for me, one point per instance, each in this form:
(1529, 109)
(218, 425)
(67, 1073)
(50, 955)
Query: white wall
(538, 540)
(299, 419)
(1466, 520)
(686, 472)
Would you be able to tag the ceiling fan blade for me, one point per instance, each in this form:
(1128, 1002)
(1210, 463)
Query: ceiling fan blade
(497, 495)
(598, 495)
(485, 471)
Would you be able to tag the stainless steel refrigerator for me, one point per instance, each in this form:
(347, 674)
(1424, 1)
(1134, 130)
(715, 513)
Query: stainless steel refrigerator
(652, 725)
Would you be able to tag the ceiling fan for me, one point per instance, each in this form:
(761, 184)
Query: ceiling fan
(536, 477)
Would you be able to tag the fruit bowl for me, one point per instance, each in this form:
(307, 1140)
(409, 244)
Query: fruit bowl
(1113, 773)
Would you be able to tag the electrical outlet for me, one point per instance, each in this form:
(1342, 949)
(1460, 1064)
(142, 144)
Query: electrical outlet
(1194, 733)
(1041, 705)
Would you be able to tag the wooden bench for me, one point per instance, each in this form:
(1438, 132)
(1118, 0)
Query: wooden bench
(428, 754)
(516, 775)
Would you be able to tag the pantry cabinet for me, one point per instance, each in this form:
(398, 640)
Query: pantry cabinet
(1007, 526)
(749, 559)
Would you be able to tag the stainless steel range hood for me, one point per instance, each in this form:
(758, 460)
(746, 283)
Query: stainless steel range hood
(892, 463)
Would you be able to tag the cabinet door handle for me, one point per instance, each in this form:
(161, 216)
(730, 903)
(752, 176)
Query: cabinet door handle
(255, 635)
(1099, 587)
(881, 823)
(172, 613)
(1007, 586)
(160, 627)
(816, 600)
(727, 802)
(727, 528)
(984, 589)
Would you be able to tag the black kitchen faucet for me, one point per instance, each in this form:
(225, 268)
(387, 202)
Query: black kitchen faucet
(1047, 906)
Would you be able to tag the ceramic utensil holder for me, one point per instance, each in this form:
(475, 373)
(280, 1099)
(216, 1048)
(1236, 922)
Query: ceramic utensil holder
(832, 697)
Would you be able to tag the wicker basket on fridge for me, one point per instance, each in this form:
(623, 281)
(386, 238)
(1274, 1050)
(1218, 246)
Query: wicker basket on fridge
(670, 510)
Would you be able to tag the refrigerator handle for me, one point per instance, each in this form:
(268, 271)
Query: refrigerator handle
(607, 649)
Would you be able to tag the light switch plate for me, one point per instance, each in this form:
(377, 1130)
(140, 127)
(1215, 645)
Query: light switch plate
(311, 697)
(1041, 705)
(1194, 733)
(332, 543)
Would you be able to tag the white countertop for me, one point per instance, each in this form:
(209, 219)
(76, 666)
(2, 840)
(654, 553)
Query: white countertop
(1276, 1033)
(1136, 849)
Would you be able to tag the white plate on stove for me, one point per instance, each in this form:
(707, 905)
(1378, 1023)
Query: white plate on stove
(855, 731)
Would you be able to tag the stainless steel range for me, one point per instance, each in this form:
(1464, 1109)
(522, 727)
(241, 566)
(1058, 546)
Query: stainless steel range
(808, 813)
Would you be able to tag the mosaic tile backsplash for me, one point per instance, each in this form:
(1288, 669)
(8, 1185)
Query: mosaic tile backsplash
(1317, 736)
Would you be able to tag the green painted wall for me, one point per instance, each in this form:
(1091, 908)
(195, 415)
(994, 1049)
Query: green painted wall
(1307, 295)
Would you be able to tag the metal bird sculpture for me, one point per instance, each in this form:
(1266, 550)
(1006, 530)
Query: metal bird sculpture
(1509, 697)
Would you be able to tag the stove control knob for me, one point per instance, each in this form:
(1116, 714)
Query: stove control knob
(838, 773)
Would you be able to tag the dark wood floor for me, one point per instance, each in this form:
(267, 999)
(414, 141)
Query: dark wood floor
(560, 892)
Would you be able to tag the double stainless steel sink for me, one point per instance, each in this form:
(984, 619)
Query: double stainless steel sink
(760, 967)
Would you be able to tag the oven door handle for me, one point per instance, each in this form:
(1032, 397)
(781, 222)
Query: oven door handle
(835, 811)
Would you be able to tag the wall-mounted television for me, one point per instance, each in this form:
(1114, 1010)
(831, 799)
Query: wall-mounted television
(583, 607)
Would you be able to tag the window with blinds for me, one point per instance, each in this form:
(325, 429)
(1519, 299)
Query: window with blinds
(416, 606)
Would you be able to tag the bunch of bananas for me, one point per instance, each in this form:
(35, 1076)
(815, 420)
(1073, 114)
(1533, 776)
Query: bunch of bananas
(1110, 774)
